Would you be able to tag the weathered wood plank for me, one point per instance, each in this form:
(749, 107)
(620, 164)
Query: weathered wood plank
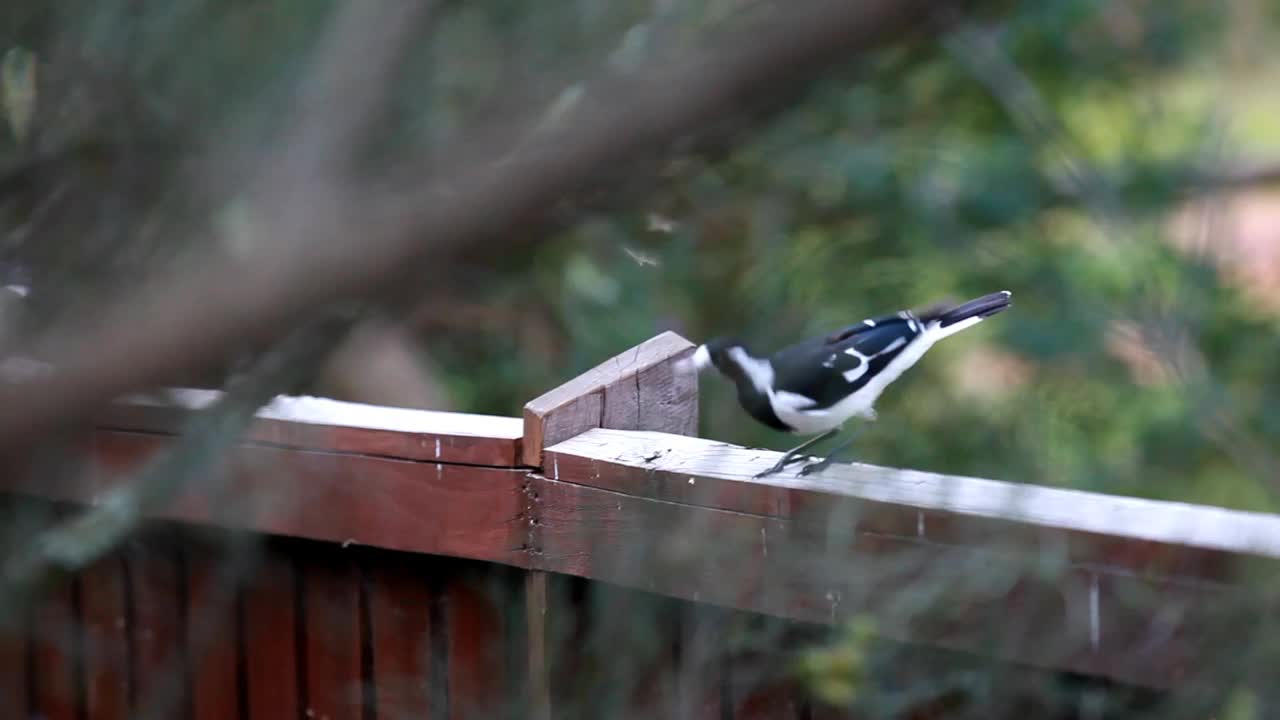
(13, 664)
(334, 681)
(312, 423)
(535, 589)
(158, 590)
(639, 389)
(462, 511)
(477, 640)
(270, 653)
(400, 601)
(669, 548)
(214, 576)
(1112, 531)
(105, 625)
(995, 600)
(54, 646)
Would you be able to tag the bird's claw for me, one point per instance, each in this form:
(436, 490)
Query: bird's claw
(779, 466)
(815, 467)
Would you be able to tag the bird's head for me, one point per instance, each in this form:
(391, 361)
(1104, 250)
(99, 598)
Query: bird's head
(725, 354)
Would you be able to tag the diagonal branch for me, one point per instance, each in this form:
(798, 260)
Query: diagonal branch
(352, 242)
(204, 443)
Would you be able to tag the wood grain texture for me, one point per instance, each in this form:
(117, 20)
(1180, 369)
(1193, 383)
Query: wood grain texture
(270, 654)
(990, 600)
(105, 613)
(158, 630)
(478, 637)
(639, 389)
(58, 469)
(333, 635)
(462, 511)
(312, 423)
(1120, 532)
(54, 650)
(400, 602)
(695, 553)
(536, 608)
(214, 577)
(13, 666)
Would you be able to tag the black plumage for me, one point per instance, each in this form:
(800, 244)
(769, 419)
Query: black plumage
(816, 385)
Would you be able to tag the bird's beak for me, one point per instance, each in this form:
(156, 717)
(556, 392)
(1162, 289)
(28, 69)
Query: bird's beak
(697, 362)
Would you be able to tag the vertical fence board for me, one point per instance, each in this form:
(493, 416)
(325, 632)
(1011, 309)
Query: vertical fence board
(700, 667)
(53, 650)
(476, 647)
(213, 580)
(331, 596)
(13, 667)
(158, 590)
(270, 654)
(400, 632)
(103, 602)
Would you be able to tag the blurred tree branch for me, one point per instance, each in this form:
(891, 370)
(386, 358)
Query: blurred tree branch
(199, 452)
(318, 239)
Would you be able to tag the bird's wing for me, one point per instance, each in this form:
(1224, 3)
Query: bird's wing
(910, 319)
(827, 371)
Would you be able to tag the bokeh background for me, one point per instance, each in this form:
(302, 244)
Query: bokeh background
(1107, 162)
(1116, 165)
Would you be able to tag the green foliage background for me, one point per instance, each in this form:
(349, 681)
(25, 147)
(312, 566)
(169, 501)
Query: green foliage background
(891, 183)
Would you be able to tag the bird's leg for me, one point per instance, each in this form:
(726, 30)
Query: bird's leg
(793, 455)
(824, 463)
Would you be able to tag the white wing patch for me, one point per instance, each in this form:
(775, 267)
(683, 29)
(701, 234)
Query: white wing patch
(851, 375)
(893, 346)
(795, 402)
(760, 372)
(869, 323)
(855, 373)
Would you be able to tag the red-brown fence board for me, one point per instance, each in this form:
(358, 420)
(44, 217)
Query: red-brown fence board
(13, 666)
(388, 597)
(214, 578)
(400, 599)
(158, 630)
(436, 508)
(105, 612)
(309, 423)
(54, 645)
(270, 614)
(477, 637)
(332, 635)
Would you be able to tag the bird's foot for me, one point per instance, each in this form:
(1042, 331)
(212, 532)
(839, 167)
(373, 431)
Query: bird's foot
(817, 467)
(780, 465)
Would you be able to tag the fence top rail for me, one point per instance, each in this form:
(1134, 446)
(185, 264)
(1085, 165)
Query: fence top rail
(600, 479)
(314, 423)
(715, 474)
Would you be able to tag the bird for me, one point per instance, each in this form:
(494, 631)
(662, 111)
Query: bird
(817, 385)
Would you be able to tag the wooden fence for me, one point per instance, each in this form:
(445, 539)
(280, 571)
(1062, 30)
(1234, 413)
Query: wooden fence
(593, 559)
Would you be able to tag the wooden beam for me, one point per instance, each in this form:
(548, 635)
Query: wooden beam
(644, 388)
(640, 389)
(435, 508)
(1137, 534)
(1141, 591)
(314, 423)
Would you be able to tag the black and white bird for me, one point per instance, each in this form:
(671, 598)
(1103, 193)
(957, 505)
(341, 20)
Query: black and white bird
(816, 385)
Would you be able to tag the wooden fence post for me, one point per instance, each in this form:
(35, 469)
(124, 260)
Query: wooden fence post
(639, 389)
(643, 388)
